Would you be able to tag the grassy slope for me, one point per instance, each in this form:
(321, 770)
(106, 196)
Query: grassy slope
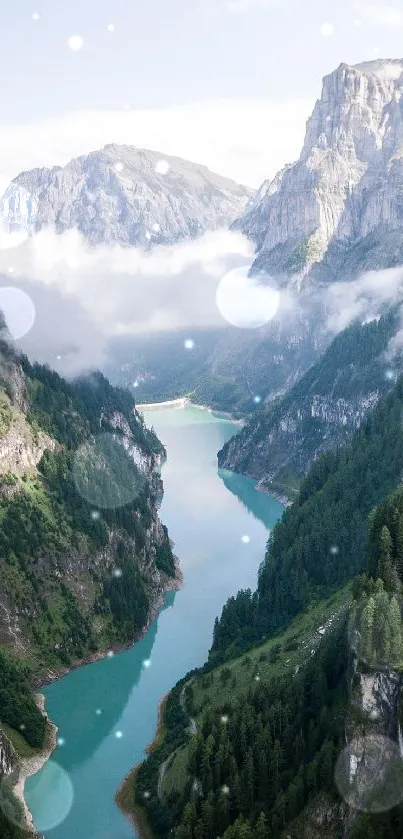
(280, 653)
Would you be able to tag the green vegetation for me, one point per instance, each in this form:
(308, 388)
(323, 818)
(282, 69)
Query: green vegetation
(288, 434)
(17, 705)
(330, 514)
(224, 370)
(271, 703)
(11, 814)
(71, 573)
(264, 745)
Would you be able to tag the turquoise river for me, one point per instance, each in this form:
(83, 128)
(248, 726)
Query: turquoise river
(106, 712)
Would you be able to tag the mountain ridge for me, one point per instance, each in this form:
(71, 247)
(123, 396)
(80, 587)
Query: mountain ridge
(123, 194)
(346, 184)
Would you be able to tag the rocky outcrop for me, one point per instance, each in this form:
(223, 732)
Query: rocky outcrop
(60, 564)
(8, 760)
(345, 189)
(320, 412)
(125, 195)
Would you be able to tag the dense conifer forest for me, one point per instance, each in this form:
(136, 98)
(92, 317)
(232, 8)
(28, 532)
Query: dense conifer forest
(258, 759)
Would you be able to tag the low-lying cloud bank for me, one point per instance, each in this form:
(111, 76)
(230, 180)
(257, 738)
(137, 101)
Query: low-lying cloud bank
(86, 297)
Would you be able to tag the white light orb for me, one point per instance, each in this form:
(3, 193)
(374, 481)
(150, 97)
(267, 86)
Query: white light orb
(162, 167)
(18, 310)
(245, 301)
(369, 773)
(75, 43)
(327, 29)
(189, 344)
(51, 796)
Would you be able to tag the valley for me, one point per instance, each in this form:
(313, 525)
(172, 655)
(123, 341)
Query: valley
(215, 561)
(201, 502)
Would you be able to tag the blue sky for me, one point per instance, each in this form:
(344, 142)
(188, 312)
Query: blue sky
(226, 82)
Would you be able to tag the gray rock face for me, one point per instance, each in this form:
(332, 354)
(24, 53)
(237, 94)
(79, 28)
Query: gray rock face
(125, 195)
(320, 412)
(347, 185)
(7, 756)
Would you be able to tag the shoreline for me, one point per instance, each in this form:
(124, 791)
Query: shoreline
(183, 402)
(175, 584)
(282, 499)
(32, 765)
(28, 766)
(134, 813)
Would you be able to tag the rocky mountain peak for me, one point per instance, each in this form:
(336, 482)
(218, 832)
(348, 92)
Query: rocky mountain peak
(347, 183)
(123, 194)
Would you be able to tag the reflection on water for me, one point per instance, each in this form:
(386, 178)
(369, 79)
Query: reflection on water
(107, 711)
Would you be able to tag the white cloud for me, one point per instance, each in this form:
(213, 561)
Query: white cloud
(85, 296)
(381, 14)
(244, 139)
(363, 298)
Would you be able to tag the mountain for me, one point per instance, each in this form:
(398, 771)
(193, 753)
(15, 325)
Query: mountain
(292, 728)
(124, 195)
(338, 210)
(334, 213)
(85, 558)
(320, 412)
(225, 369)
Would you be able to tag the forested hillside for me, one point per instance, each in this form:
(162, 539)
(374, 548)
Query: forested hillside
(321, 411)
(320, 541)
(84, 558)
(290, 673)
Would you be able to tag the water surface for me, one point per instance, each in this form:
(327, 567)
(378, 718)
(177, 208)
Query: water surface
(107, 712)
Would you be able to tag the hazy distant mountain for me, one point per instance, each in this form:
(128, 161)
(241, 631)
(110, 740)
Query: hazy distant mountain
(125, 195)
(339, 208)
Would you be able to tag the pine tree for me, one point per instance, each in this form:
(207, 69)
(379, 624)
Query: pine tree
(395, 629)
(386, 569)
(366, 649)
(261, 828)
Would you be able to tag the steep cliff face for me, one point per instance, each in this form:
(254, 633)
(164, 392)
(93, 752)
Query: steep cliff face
(85, 559)
(8, 760)
(319, 412)
(125, 195)
(347, 186)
